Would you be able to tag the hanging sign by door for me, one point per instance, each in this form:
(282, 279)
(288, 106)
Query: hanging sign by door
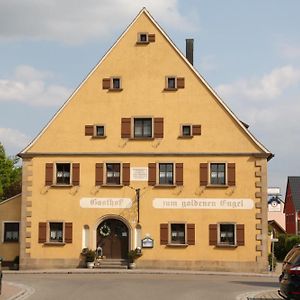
(147, 242)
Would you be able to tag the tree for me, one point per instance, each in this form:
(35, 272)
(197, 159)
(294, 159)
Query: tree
(10, 175)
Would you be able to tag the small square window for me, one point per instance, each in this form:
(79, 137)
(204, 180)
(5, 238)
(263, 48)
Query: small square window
(11, 232)
(171, 83)
(63, 173)
(116, 83)
(56, 232)
(227, 234)
(100, 130)
(186, 130)
(177, 234)
(143, 38)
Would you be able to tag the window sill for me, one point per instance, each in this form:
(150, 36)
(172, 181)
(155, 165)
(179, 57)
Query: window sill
(170, 89)
(54, 244)
(224, 186)
(62, 185)
(99, 137)
(107, 185)
(165, 186)
(177, 245)
(142, 139)
(10, 242)
(115, 90)
(185, 136)
(142, 43)
(226, 246)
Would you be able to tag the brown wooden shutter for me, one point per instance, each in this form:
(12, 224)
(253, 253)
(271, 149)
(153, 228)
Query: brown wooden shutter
(179, 173)
(158, 128)
(191, 234)
(42, 232)
(99, 174)
(89, 130)
(203, 174)
(240, 234)
(106, 83)
(68, 232)
(126, 174)
(180, 82)
(126, 128)
(151, 37)
(49, 174)
(213, 234)
(75, 173)
(231, 174)
(164, 234)
(196, 130)
(152, 174)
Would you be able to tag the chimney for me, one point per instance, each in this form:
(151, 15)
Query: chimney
(190, 50)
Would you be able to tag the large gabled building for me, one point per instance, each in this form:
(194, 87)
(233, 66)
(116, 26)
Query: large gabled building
(145, 154)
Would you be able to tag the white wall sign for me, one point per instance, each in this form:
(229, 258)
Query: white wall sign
(105, 202)
(202, 203)
(138, 174)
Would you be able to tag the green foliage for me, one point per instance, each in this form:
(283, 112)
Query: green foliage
(279, 247)
(272, 264)
(89, 254)
(134, 254)
(284, 245)
(10, 175)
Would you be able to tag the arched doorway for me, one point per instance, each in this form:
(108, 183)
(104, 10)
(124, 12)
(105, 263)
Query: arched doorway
(113, 237)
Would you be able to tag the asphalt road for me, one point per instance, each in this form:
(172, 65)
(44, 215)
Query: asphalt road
(140, 286)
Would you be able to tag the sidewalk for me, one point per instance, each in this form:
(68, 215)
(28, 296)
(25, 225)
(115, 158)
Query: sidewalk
(11, 290)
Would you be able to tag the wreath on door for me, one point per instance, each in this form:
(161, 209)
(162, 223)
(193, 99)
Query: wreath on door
(104, 230)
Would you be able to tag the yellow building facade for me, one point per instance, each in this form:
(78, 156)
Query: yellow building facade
(144, 154)
(10, 217)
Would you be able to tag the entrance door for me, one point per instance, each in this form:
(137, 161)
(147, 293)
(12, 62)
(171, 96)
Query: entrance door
(112, 236)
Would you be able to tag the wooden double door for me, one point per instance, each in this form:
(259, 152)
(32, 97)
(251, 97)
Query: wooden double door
(113, 238)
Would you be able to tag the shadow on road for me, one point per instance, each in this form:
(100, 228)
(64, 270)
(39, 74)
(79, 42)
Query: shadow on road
(258, 283)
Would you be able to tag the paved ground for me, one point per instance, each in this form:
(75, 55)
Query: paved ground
(139, 284)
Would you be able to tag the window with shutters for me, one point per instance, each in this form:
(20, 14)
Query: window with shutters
(172, 83)
(63, 173)
(188, 130)
(227, 234)
(177, 234)
(217, 173)
(11, 232)
(166, 173)
(113, 83)
(142, 127)
(55, 232)
(113, 173)
(145, 38)
(95, 131)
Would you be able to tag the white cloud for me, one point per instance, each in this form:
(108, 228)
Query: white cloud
(290, 51)
(29, 86)
(269, 86)
(73, 22)
(13, 140)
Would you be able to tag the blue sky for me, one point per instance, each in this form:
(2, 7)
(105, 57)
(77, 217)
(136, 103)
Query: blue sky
(248, 51)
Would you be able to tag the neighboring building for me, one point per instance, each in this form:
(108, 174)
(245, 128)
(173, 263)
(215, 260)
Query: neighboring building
(275, 209)
(10, 216)
(145, 154)
(292, 205)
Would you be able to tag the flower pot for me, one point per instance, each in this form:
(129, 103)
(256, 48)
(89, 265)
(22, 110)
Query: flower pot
(90, 264)
(132, 265)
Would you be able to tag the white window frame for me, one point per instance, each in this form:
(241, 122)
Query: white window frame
(219, 243)
(55, 173)
(105, 173)
(181, 130)
(167, 83)
(48, 232)
(3, 232)
(112, 88)
(95, 131)
(157, 173)
(139, 41)
(225, 170)
(170, 233)
(133, 127)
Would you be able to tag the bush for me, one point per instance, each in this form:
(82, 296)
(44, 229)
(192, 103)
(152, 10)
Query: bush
(89, 254)
(284, 245)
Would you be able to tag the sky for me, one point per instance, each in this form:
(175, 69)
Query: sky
(248, 51)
